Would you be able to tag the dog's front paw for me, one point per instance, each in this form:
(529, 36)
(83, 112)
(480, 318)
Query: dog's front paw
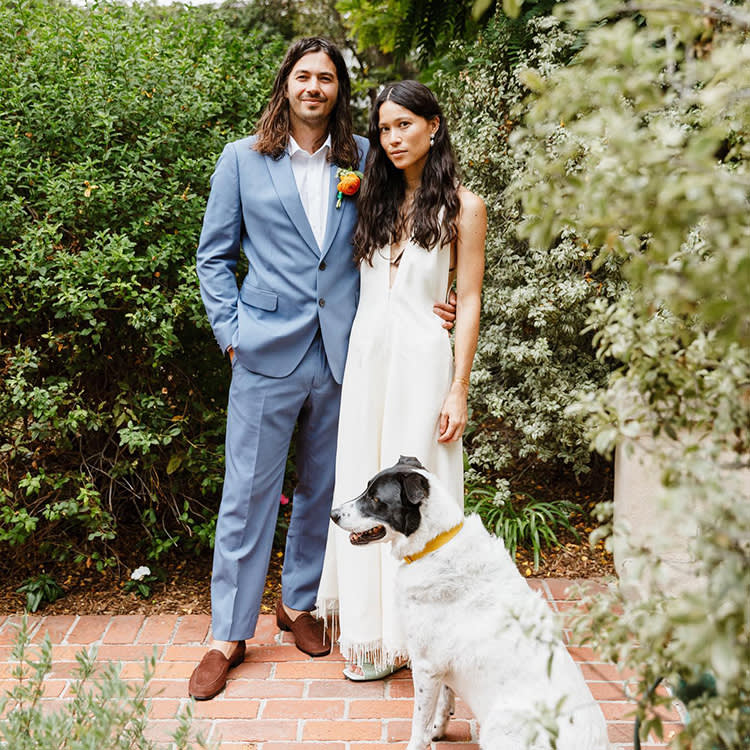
(438, 731)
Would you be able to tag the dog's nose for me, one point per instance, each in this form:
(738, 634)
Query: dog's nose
(335, 515)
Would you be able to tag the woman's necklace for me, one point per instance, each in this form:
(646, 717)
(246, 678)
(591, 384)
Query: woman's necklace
(394, 261)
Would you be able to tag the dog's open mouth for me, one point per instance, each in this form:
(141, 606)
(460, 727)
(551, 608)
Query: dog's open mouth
(365, 537)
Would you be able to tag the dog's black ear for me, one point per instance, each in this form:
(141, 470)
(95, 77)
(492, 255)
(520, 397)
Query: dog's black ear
(410, 461)
(415, 487)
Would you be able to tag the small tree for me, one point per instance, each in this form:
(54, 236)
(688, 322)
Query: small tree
(640, 148)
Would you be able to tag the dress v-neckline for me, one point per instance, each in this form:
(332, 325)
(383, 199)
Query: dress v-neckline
(394, 264)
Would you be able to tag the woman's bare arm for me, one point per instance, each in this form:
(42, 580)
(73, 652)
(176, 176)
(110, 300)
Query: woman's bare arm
(472, 230)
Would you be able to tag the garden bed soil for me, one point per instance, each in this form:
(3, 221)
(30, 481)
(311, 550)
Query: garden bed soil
(186, 581)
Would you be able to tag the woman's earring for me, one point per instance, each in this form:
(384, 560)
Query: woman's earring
(432, 140)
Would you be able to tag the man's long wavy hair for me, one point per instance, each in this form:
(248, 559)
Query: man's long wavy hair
(383, 189)
(274, 127)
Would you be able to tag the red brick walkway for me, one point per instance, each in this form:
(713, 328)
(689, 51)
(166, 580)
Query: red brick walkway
(280, 699)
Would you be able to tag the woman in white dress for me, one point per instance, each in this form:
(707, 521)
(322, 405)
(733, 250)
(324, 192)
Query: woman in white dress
(405, 388)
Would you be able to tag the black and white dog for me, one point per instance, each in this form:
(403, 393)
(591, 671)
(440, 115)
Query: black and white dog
(472, 623)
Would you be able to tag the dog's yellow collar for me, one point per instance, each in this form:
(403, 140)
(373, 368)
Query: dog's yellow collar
(435, 543)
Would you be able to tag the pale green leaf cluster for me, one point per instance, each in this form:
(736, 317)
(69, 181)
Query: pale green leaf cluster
(654, 149)
(701, 635)
(639, 147)
(104, 711)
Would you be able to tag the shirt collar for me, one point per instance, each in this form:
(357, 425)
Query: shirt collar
(294, 147)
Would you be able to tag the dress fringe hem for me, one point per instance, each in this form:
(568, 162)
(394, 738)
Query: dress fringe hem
(374, 652)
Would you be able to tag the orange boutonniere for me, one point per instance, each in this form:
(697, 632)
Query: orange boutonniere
(349, 182)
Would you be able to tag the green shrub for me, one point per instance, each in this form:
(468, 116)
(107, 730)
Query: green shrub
(39, 590)
(112, 390)
(103, 712)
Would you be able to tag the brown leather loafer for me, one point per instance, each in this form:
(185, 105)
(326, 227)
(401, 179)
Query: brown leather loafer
(309, 633)
(210, 676)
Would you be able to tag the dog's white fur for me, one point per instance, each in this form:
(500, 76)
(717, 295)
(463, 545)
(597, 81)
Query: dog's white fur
(474, 626)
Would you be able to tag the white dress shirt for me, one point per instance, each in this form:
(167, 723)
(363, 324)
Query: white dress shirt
(312, 173)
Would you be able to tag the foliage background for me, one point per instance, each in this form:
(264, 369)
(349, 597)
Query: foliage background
(112, 395)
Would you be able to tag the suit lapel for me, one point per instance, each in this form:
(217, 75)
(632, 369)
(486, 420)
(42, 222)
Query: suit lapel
(334, 214)
(286, 188)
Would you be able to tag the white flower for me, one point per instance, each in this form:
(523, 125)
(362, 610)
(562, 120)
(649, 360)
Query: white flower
(140, 573)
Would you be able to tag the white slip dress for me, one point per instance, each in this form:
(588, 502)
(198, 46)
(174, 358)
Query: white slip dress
(398, 371)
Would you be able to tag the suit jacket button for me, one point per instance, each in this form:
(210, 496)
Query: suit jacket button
(322, 265)
(322, 302)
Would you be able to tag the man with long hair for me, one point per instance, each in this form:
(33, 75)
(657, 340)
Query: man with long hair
(286, 330)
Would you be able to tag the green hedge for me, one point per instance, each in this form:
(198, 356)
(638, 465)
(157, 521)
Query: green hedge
(112, 393)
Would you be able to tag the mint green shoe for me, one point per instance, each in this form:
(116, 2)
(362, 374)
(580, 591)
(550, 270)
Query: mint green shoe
(370, 672)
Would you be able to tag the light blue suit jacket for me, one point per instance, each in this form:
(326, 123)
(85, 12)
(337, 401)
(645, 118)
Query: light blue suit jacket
(292, 286)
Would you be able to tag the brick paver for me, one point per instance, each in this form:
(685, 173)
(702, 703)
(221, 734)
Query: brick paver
(280, 699)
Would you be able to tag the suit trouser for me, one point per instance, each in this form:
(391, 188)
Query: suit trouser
(261, 416)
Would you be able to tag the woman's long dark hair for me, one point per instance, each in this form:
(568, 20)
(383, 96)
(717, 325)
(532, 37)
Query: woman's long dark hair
(273, 127)
(383, 187)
